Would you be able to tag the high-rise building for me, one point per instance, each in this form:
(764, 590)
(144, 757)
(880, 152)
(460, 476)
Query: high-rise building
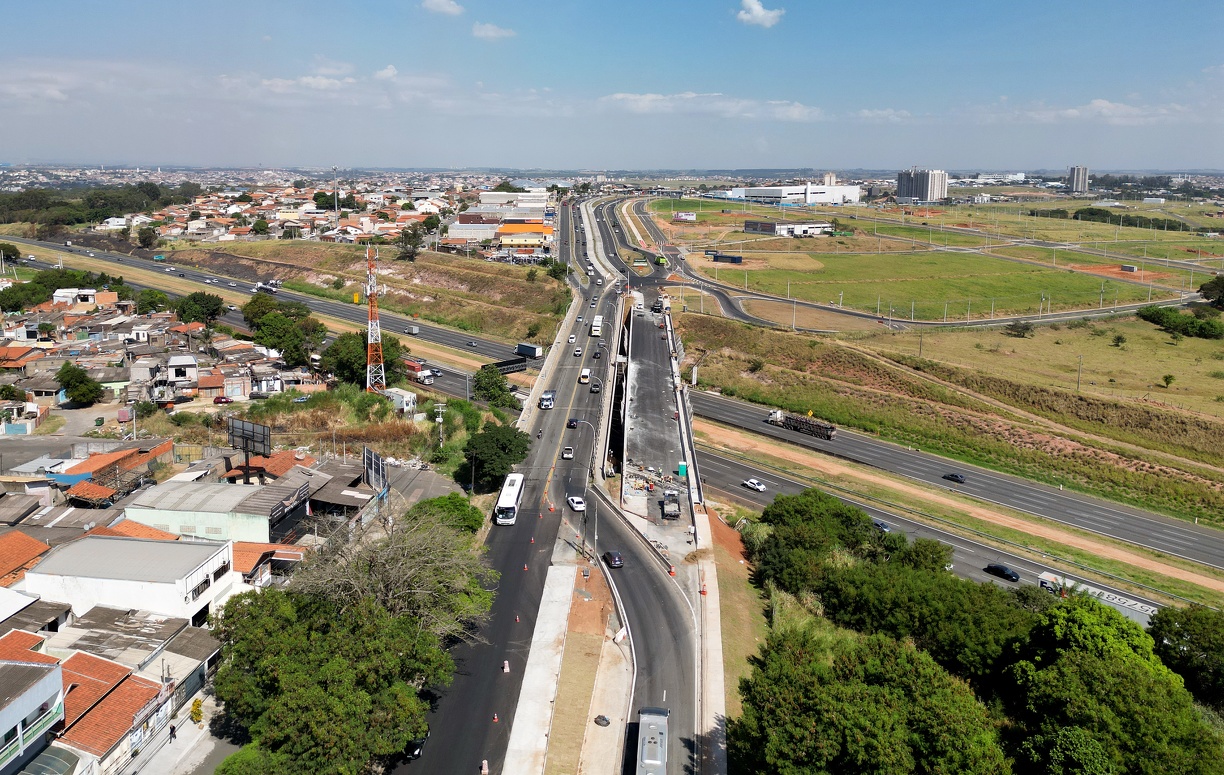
(920, 185)
(830, 179)
(1078, 180)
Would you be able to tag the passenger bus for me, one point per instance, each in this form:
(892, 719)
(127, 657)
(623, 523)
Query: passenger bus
(597, 325)
(506, 510)
(652, 741)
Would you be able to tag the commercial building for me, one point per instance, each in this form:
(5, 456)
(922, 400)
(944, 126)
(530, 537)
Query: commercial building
(221, 512)
(806, 194)
(919, 185)
(1077, 180)
(784, 229)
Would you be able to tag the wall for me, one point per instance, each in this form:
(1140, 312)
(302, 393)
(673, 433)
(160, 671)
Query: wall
(211, 526)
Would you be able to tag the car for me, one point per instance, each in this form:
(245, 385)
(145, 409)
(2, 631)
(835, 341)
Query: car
(567, 453)
(91, 254)
(577, 352)
(754, 484)
(958, 478)
(120, 260)
(595, 388)
(597, 355)
(1002, 571)
(436, 372)
(613, 559)
(576, 503)
(473, 343)
(256, 395)
(573, 338)
(233, 285)
(580, 318)
(571, 422)
(233, 308)
(592, 305)
(416, 747)
(881, 526)
(181, 274)
(169, 269)
(223, 400)
(301, 399)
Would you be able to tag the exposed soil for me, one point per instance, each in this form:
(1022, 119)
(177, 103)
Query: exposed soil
(828, 468)
(1115, 272)
(592, 602)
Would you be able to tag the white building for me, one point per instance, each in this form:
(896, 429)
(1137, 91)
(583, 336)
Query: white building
(175, 578)
(1077, 180)
(785, 229)
(31, 698)
(919, 185)
(807, 194)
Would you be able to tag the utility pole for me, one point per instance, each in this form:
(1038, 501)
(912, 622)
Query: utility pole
(1079, 373)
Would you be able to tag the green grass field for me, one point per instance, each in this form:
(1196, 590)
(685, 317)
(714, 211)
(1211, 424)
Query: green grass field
(1153, 271)
(971, 285)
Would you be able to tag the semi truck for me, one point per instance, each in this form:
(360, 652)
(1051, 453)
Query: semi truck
(419, 373)
(528, 350)
(797, 422)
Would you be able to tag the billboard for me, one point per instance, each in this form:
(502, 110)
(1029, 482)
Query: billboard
(375, 470)
(250, 437)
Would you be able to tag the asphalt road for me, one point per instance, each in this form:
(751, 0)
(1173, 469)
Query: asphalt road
(969, 557)
(1142, 528)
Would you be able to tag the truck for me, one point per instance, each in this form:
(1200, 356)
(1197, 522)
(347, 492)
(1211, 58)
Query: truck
(548, 399)
(809, 424)
(671, 504)
(159, 257)
(265, 288)
(529, 350)
(417, 371)
(413, 330)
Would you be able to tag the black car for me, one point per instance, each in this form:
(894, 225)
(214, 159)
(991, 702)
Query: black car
(596, 354)
(958, 478)
(1002, 571)
(414, 749)
(614, 559)
(571, 422)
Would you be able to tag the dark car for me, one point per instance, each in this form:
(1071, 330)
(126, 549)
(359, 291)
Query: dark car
(257, 395)
(1002, 571)
(571, 422)
(414, 749)
(614, 559)
(596, 354)
(958, 478)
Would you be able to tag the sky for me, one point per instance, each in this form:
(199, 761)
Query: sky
(628, 84)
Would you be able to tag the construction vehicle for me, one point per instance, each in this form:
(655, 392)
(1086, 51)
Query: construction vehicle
(671, 504)
(809, 424)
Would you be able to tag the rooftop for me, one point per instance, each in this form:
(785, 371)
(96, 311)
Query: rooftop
(111, 720)
(133, 559)
(16, 678)
(127, 637)
(210, 497)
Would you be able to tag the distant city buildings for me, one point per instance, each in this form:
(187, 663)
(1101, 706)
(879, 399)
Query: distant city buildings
(919, 185)
(1077, 180)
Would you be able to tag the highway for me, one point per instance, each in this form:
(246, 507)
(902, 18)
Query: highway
(1142, 528)
(969, 557)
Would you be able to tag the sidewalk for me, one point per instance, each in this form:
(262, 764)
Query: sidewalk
(194, 749)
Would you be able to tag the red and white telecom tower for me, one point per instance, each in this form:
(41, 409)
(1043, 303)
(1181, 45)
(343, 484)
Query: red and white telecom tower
(376, 374)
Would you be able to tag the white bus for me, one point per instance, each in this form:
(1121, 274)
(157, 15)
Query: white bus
(506, 511)
(597, 325)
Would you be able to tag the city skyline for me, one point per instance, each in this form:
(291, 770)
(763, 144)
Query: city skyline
(729, 84)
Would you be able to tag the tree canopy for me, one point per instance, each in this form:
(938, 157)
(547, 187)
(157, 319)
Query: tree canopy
(1191, 642)
(78, 387)
(494, 451)
(409, 242)
(199, 307)
(452, 510)
(346, 358)
(491, 385)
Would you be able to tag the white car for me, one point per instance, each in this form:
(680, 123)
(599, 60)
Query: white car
(754, 484)
(567, 453)
(576, 503)
(577, 352)
(573, 338)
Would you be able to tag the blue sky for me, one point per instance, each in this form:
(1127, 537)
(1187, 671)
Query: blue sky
(616, 85)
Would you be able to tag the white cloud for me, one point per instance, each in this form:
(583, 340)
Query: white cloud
(755, 13)
(387, 73)
(448, 7)
(491, 32)
(305, 83)
(325, 66)
(711, 104)
(1097, 111)
(888, 115)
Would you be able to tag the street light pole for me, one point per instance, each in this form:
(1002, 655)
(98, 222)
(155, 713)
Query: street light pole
(1079, 373)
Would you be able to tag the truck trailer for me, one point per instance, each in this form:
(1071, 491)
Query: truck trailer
(418, 372)
(796, 422)
(528, 350)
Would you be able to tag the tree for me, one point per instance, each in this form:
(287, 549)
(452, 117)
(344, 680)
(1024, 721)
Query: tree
(824, 701)
(532, 274)
(9, 251)
(254, 310)
(346, 358)
(313, 333)
(149, 300)
(494, 451)
(408, 205)
(1190, 641)
(280, 333)
(507, 187)
(557, 270)
(199, 307)
(491, 385)
(12, 393)
(1168, 380)
(1119, 340)
(1084, 665)
(409, 242)
(431, 222)
(927, 554)
(452, 510)
(244, 198)
(1019, 329)
(78, 387)
(147, 237)
(260, 226)
(1213, 291)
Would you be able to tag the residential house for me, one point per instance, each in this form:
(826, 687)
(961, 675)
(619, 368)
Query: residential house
(18, 553)
(32, 700)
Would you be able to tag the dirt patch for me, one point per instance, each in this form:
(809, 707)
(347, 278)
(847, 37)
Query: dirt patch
(1115, 272)
(592, 603)
(828, 468)
(807, 317)
(741, 609)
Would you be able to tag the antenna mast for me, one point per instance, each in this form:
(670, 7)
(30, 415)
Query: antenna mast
(376, 374)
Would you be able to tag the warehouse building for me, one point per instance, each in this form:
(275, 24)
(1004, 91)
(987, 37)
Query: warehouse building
(806, 194)
(783, 229)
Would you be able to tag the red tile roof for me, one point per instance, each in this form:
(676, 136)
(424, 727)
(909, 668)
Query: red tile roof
(277, 465)
(248, 554)
(88, 679)
(100, 460)
(21, 646)
(111, 719)
(87, 490)
(128, 529)
(18, 553)
(209, 381)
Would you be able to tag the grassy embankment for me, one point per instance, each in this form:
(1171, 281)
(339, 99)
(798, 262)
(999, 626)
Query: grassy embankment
(854, 390)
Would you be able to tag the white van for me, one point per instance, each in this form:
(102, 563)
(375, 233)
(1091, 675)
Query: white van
(584, 376)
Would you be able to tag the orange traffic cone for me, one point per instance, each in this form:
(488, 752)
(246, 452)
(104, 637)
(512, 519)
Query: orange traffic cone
(494, 718)
(525, 567)
(533, 539)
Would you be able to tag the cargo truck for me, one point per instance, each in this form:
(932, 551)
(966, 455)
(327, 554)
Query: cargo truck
(418, 372)
(809, 425)
(529, 350)
(671, 504)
